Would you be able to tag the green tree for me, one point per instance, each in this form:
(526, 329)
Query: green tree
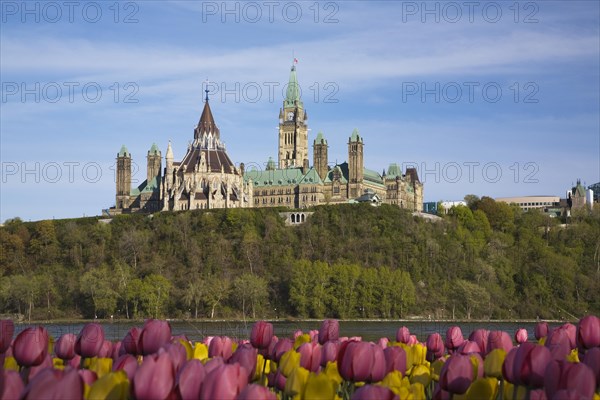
(156, 294)
(99, 284)
(250, 291)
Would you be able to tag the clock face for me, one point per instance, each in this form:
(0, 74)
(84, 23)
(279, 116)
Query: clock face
(290, 116)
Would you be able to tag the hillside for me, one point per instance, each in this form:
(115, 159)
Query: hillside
(348, 261)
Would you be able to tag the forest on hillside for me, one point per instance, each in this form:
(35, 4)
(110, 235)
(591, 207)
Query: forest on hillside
(487, 260)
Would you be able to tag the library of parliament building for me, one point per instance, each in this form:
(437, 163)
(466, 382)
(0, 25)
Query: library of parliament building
(207, 178)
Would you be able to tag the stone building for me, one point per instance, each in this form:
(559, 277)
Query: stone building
(207, 178)
(293, 183)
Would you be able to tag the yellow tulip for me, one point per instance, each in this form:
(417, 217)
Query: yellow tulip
(436, 369)
(11, 364)
(514, 392)
(188, 349)
(409, 356)
(492, 365)
(300, 340)
(483, 388)
(418, 352)
(296, 382)
(260, 364)
(421, 374)
(57, 363)
(319, 386)
(542, 340)
(86, 391)
(113, 385)
(331, 370)
(289, 361)
(394, 381)
(475, 364)
(417, 390)
(573, 357)
(200, 351)
(101, 366)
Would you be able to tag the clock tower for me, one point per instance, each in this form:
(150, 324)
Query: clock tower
(293, 131)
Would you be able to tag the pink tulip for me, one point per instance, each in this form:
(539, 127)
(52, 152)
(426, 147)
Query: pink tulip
(155, 334)
(64, 347)
(588, 332)
(177, 353)
(310, 356)
(279, 381)
(54, 384)
(127, 363)
(412, 340)
(439, 394)
(499, 340)
(224, 382)
(521, 336)
(537, 394)
(329, 352)
(190, 379)
(558, 343)
(383, 342)
(261, 334)
(45, 364)
(90, 340)
(297, 333)
(480, 336)
(541, 330)
(105, 350)
(155, 378)
(131, 341)
(256, 392)
(280, 348)
(457, 374)
(592, 360)
(571, 334)
(117, 350)
(395, 359)
(530, 365)
(403, 335)
(88, 377)
(468, 347)
(508, 367)
(220, 346)
(7, 330)
(576, 379)
(330, 330)
(31, 346)
(454, 338)
(435, 347)
(361, 362)
(373, 392)
(245, 355)
(268, 352)
(13, 385)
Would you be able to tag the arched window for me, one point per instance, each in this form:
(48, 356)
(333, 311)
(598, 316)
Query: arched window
(293, 218)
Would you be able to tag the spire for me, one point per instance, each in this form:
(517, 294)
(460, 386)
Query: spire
(169, 155)
(207, 122)
(355, 136)
(320, 138)
(124, 152)
(292, 97)
(270, 164)
(153, 150)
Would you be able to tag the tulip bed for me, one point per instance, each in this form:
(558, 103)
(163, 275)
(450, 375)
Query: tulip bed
(151, 363)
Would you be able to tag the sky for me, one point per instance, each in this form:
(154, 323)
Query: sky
(493, 98)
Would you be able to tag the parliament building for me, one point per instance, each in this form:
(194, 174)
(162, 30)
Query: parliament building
(207, 178)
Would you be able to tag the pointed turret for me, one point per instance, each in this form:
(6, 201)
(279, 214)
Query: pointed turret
(169, 155)
(320, 155)
(292, 97)
(207, 123)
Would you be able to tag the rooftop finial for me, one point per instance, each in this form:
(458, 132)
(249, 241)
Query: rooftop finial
(206, 90)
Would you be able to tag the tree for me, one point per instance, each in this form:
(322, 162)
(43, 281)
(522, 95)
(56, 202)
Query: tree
(301, 287)
(155, 294)
(470, 296)
(98, 283)
(250, 289)
(194, 292)
(216, 290)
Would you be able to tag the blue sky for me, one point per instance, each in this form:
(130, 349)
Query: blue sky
(490, 98)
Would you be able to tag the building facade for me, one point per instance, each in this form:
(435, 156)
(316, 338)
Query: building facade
(207, 178)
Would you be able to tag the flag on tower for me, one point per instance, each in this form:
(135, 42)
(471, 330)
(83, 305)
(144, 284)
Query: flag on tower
(295, 60)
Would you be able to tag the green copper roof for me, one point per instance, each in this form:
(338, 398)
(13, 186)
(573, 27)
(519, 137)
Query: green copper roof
(146, 187)
(270, 164)
(393, 171)
(372, 176)
(343, 171)
(154, 149)
(282, 177)
(124, 152)
(320, 139)
(355, 136)
(292, 97)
